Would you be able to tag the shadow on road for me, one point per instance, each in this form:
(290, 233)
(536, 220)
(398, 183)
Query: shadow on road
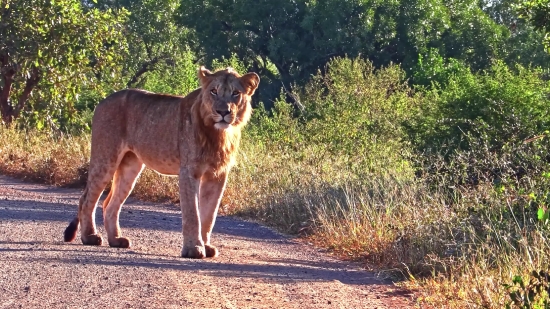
(133, 215)
(280, 271)
(161, 217)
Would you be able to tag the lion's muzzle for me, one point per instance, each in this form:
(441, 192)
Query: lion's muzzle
(223, 119)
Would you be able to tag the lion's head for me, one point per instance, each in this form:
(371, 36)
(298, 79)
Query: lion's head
(226, 97)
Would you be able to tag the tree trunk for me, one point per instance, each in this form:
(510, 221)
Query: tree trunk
(286, 80)
(8, 111)
(7, 75)
(5, 108)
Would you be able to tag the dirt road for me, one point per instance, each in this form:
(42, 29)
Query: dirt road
(257, 267)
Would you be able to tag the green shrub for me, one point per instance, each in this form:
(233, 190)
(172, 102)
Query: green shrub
(352, 113)
(179, 78)
(497, 105)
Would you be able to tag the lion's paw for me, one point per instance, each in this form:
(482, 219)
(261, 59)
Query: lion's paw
(92, 240)
(120, 242)
(211, 251)
(196, 252)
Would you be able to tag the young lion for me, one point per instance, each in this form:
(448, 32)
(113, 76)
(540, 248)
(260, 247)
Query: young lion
(195, 137)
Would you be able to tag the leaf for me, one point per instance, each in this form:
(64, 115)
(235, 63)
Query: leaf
(542, 214)
(517, 279)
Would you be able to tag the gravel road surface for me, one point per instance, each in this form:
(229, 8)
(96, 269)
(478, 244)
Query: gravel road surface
(257, 268)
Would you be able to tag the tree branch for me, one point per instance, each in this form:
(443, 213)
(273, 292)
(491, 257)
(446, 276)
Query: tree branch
(228, 27)
(145, 67)
(31, 82)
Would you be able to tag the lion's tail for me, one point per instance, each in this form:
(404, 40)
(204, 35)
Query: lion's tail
(70, 231)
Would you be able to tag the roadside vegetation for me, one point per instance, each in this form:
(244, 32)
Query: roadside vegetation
(430, 166)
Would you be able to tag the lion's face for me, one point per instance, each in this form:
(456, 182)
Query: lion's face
(226, 97)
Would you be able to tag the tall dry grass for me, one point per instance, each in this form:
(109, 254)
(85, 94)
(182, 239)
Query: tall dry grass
(456, 245)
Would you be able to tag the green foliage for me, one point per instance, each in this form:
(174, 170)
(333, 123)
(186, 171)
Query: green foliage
(155, 42)
(523, 43)
(498, 105)
(276, 128)
(353, 114)
(434, 70)
(299, 37)
(233, 61)
(356, 112)
(537, 13)
(49, 50)
(179, 79)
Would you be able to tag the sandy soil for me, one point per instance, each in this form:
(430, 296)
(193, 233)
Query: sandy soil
(257, 268)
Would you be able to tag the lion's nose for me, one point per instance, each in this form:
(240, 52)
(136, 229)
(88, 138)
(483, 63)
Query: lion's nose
(223, 113)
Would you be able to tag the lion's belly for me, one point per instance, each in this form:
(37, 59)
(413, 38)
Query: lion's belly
(162, 159)
(163, 165)
(156, 147)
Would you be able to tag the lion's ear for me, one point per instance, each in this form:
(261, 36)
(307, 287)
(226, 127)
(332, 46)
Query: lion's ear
(204, 75)
(250, 82)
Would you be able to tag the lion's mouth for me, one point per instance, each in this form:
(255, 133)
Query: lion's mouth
(221, 125)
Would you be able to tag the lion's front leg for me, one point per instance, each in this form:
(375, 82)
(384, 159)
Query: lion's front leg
(193, 246)
(211, 192)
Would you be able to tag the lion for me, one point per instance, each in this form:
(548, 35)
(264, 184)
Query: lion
(195, 137)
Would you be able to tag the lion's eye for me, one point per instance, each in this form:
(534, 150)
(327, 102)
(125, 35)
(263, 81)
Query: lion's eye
(214, 91)
(236, 93)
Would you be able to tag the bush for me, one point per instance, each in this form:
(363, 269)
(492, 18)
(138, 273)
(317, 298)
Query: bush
(498, 105)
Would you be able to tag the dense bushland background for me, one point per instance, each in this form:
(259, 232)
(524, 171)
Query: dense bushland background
(410, 135)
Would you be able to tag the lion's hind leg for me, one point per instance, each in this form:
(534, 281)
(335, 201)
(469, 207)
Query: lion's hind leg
(103, 164)
(123, 182)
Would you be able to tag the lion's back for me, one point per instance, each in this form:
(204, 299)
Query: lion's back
(133, 110)
(144, 122)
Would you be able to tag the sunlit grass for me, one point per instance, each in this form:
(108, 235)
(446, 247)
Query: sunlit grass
(59, 160)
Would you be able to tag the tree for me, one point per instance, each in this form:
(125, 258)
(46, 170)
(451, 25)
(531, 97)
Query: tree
(154, 39)
(522, 44)
(48, 49)
(298, 37)
(537, 13)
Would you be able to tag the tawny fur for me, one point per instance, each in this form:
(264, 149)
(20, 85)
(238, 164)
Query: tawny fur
(195, 137)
